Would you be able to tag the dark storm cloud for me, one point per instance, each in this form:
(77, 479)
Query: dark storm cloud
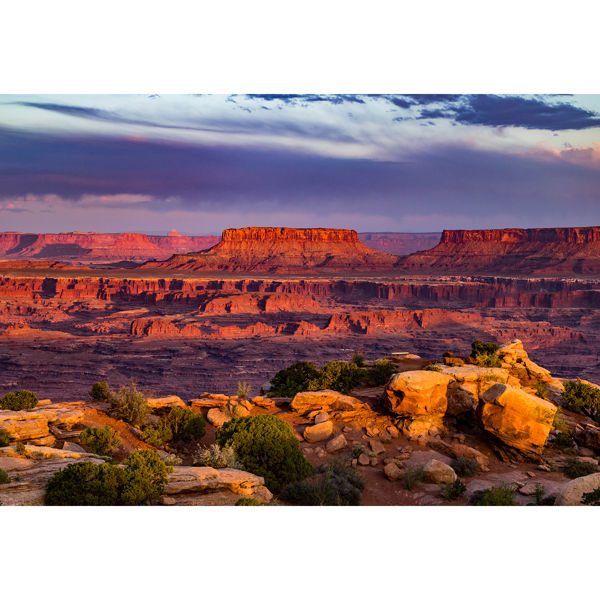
(203, 124)
(515, 111)
(449, 180)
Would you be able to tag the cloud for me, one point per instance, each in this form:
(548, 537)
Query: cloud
(516, 111)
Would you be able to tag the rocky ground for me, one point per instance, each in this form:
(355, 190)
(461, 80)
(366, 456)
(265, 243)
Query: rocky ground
(421, 421)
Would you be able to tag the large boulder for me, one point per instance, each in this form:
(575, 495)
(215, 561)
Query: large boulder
(318, 433)
(469, 383)
(515, 359)
(200, 486)
(326, 400)
(217, 417)
(572, 492)
(436, 471)
(519, 419)
(420, 397)
(166, 402)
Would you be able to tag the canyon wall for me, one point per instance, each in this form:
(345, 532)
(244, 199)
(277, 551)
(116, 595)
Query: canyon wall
(551, 251)
(282, 250)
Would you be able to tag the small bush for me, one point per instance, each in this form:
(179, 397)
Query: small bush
(592, 498)
(336, 375)
(267, 446)
(379, 372)
(335, 484)
(249, 502)
(185, 424)
(452, 491)
(358, 450)
(501, 495)
(540, 497)
(19, 400)
(101, 440)
(485, 354)
(4, 478)
(101, 392)
(88, 484)
(541, 389)
(582, 398)
(465, 467)
(217, 458)
(358, 359)
(565, 439)
(294, 379)
(20, 448)
(131, 405)
(4, 438)
(578, 468)
(158, 435)
(244, 389)
(412, 477)
(433, 367)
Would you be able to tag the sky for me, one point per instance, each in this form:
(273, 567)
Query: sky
(202, 163)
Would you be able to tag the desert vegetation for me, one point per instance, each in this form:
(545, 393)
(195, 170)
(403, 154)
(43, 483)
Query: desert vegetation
(19, 400)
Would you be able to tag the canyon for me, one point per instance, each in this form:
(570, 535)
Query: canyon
(263, 298)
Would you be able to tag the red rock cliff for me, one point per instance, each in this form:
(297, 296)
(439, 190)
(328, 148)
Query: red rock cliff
(559, 251)
(282, 250)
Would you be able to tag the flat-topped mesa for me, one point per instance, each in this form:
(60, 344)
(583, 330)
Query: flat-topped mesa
(282, 250)
(548, 251)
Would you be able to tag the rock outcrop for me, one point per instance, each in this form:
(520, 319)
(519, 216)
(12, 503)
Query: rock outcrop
(558, 251)
(420, 398)
(284, 250)
(205, 486)
(572, 493)
(520, 420)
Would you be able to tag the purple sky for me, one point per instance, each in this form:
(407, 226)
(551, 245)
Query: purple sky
(200, 164)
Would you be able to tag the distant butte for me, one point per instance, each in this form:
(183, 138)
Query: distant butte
(548, 251)
(282, 250)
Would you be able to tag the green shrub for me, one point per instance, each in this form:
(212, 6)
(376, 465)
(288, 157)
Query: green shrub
(101, 392)
(582, 398)
(565, 439)
(267, 446)
(101, 440)
(540, 497)
(358, 359)
(452, 491)
(379, 372)
(578, 468)
(412, 477)
(4, 438)
(131, 405)
(541, 389)
(158, 435)
(19, 400)
(4, 478)
(358, 450)
(217, 458)
(243, 389)
(88, 484)
(249, 502)
(147, 475)
(335, 484)
(433, 367)
(592, 498)
(294, 379)
(20, 448)
(465, 467)
(485, 354)
(336, 375)
(501, 495)
(185, 424)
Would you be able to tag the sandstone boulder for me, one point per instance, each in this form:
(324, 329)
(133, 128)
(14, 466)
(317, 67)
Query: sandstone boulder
(572, 493)
(326, 400)
(421, 398)
(207, 486)
(519, 419)
(392, 471)
(321, 417)
(339, 442)
(318, 433)
(436, 471)
(217, 417)
(166, 402)
(515, 359)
